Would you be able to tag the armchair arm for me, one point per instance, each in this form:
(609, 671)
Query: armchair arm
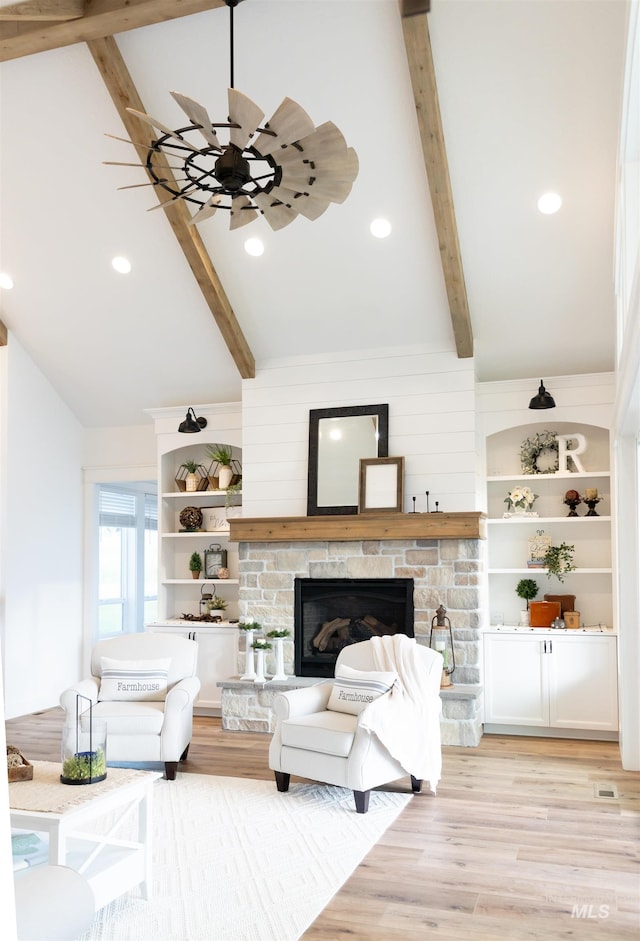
(182, 694)
(89, 688)
(303, 701)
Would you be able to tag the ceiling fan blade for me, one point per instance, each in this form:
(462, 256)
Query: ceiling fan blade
(343, 168)
(289, 122)
(198, 114)
(247, 114)
(207, 210)
(242, 212)
(119, 163)
(162, 127)
(335, 191)
(277, 214)
(327, 142)
(308, 206)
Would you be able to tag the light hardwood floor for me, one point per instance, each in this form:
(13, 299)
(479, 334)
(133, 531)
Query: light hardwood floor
(514, 846)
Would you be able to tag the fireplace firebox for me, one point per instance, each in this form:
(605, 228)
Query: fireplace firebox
(331, 613)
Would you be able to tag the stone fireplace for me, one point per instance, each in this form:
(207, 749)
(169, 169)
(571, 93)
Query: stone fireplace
(439, 553)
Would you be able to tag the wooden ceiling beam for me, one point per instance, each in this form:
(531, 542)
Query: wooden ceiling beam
(425, 92)
(45, 10)
(120, 85)
(20, 38)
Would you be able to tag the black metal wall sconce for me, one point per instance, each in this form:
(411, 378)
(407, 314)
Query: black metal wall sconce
(192, 424)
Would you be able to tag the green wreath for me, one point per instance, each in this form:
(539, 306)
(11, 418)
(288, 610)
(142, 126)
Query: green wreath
(531, 449)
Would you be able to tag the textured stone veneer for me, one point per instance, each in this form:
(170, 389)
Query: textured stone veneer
(445, 571)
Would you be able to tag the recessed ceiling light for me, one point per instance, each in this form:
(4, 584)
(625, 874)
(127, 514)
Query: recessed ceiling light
(380, 228)
(6, 281)
(254, 247)
(549, 203)
(122, 265)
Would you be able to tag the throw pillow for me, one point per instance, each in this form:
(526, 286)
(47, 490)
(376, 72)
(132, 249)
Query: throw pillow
(130, 680)
(353, 690)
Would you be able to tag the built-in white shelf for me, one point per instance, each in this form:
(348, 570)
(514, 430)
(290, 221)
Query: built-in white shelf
(528, 571)
(568, 477)
(508, 521)
(199, 581)
(199, 534)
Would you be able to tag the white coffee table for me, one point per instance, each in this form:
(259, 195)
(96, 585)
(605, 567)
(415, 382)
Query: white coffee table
(110, 864)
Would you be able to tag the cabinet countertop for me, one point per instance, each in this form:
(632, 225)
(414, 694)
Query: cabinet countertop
(598, 630)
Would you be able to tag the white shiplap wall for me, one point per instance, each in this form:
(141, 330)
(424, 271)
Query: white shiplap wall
(431, 423)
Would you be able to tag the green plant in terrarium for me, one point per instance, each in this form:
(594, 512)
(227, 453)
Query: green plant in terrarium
(527, 589)
(558, 560)
(191, 467)
(195, 562)
(85, 765)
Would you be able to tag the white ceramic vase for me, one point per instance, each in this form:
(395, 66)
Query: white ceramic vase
(279, 650)
(524, 618)
(224, 476)
(191, 483)
(249, 668)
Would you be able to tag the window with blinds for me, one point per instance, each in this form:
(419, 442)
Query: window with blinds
(127, 558)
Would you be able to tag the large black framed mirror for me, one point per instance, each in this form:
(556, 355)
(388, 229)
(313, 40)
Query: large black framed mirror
(338, 438)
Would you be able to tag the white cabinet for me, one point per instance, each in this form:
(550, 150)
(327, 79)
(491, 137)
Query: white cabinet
(217, 658)
(508, 538)
(539, 679)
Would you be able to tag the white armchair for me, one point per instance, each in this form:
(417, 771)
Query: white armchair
(148, 720)
(397, 734)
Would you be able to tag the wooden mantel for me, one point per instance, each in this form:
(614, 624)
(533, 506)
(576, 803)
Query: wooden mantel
(361, 526)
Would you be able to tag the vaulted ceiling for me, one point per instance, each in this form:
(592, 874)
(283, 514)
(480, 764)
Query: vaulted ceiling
(461, 119)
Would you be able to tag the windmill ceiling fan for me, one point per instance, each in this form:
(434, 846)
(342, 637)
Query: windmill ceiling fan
(290, 168)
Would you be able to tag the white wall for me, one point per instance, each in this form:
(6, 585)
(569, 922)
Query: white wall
(41, 537)
(627, 412)
(431, 423)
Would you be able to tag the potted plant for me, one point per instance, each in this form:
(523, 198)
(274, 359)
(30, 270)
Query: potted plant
(191, 477)
(223, 454)
(527, 589)
(558, 560)
(217, 604)
(520, 500)
(195, 564)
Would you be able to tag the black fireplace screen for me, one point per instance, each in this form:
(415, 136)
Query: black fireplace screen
(331, 613)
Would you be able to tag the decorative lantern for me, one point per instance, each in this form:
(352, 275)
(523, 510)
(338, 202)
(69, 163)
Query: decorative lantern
(84, 748)
(441, 639)
(215, 558)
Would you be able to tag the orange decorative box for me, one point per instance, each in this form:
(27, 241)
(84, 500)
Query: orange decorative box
(542, 613)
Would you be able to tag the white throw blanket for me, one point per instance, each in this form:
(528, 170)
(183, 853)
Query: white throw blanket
(407, 719)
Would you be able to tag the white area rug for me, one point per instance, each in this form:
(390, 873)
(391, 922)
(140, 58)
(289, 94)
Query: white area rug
(234, 860)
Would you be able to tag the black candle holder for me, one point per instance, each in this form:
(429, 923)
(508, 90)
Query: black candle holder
(573, 504)
(592, 506)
